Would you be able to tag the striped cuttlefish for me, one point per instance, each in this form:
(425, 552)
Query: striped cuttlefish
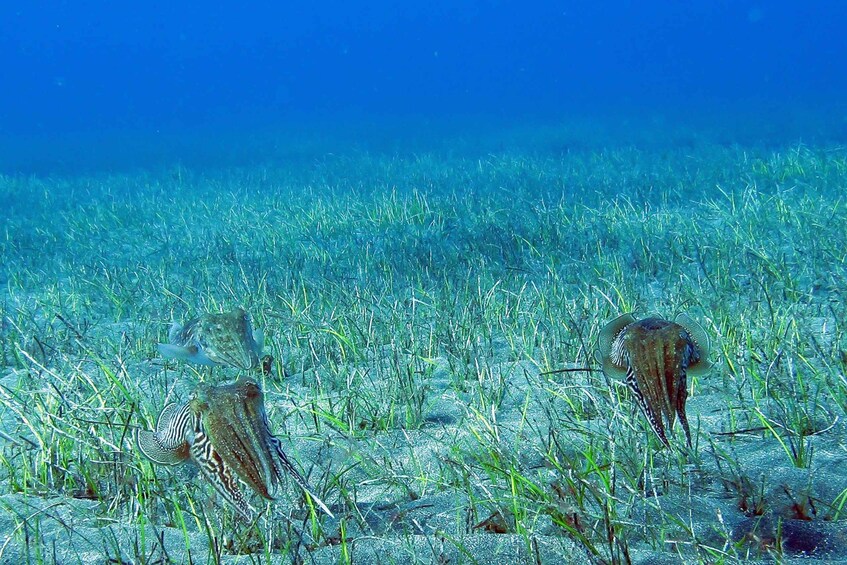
(216, 339)
(224, 430)
(655, 356)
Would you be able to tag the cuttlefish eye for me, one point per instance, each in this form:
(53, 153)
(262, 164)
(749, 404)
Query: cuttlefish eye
(199, 406)
(655, 356)
(199, 399)
(250, 390)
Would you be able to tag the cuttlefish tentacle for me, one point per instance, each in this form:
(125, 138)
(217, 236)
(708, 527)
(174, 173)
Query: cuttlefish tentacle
(286, 465)
(249, 448)
(233, 419)
(655, 357)
(225, 431)
(219, 474)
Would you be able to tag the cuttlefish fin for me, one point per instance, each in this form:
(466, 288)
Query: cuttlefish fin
(259, 338)
(298, 478)
(654, 419)
(683, 419)
(604, 346)
(188, 353)
(700, 340)
(174, 332)
(168, 444)
(610, 369)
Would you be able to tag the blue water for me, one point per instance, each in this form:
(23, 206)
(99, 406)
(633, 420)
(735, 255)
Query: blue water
(160, 76)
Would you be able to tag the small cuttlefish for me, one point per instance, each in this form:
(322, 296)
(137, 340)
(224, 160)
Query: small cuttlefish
(224, 430)
(655, 357)
(216, 339)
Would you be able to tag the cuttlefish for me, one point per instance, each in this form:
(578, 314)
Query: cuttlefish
(224, 430)
(655, 357)
(216, 339)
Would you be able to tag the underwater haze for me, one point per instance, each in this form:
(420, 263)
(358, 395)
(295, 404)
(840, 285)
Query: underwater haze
(88, 72)
(423, 282)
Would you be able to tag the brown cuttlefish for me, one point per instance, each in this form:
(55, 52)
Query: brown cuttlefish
(655, 357)
(224, 430)
(227, 339)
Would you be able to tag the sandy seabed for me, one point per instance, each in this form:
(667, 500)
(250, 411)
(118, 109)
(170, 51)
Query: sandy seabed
(434, 317)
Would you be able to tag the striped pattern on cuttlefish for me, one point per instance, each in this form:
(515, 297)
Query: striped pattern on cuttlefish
(216, 339)
(655, 357)
(224, 430)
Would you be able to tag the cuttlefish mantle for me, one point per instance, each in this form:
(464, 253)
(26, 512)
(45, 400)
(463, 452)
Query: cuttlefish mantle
(655, 357)
(224, 430)
(216, 339)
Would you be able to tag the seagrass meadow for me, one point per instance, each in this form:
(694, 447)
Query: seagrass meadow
(434, 317)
